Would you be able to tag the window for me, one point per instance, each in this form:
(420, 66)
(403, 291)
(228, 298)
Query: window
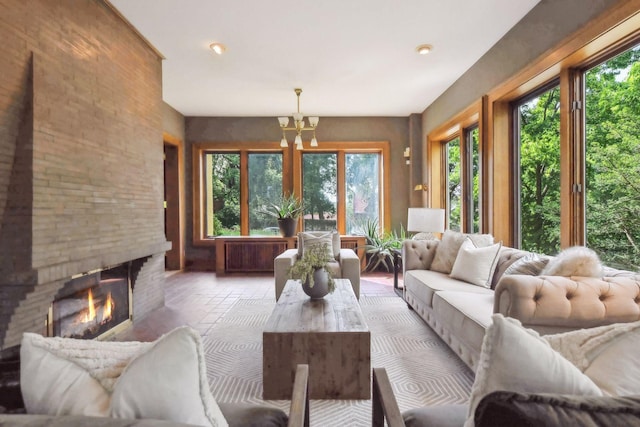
(454, 151)
(454, 184)
(538, 170)
(232, 185)
(612, 118)
(265, 186)
(343, 185)
(363, 185)
(320, 191)
(222, 193)
(473, 201)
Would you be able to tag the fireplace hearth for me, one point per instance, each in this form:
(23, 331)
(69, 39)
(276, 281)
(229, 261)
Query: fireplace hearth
(92, 305)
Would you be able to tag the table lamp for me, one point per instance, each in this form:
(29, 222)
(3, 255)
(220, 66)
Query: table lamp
(425, 222)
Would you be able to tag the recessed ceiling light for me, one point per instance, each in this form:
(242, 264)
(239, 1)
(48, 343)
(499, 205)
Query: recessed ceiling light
(218, 48)
(423, 49)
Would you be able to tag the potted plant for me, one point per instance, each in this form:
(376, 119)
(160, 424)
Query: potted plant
(286, 210)
(313, 271)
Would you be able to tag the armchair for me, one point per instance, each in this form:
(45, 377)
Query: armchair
(505, 409)
(346, 266)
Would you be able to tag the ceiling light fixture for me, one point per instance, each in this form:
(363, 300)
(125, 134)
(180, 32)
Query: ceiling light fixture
(298, 126)
(424, 49)
(218, 48)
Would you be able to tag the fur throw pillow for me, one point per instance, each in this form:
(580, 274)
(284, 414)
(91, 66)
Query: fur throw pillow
(574, 261)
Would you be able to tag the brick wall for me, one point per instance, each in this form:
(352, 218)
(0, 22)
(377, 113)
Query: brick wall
(81, 169)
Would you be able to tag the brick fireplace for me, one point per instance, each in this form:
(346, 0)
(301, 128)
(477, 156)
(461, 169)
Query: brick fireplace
(81, 166)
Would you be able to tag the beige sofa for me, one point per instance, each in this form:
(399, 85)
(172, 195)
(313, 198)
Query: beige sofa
(345, 266)
(460, 312)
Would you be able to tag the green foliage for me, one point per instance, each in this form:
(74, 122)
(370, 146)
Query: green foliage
(540, 173)
(612, 159)
(320, 181)
(380, 245)
(315, 257)
(288, 206)
(226, 189)
(454, 183)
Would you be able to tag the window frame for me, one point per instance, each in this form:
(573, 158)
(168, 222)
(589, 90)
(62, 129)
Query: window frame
(458, 127)
(604, 37)
(244, 149)
(341, 148)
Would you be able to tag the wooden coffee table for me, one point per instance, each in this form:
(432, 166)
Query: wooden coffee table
(330, 335)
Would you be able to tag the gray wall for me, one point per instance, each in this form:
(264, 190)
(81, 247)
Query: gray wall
(236, 129)
(172, 121)
(541, 29)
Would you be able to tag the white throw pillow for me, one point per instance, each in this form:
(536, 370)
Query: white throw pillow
(65, 376)
(330, 239)
(517, 359)
(476, 265)
(165, 379)
(606, 354)
(450, 245)
(574, 261)
(168, 382)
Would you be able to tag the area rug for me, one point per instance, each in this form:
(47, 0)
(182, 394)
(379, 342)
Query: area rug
(422, 369)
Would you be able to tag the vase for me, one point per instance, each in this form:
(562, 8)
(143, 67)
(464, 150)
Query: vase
(287, 226)
(320, 285)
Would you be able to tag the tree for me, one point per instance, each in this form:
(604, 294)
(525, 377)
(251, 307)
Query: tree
(540, 172)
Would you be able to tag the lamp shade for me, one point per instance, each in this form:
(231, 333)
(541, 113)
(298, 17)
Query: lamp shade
(425, 220)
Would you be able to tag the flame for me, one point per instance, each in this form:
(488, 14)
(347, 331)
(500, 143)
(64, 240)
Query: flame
(108, 307)
(89, 314)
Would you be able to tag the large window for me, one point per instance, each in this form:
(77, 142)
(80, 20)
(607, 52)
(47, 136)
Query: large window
(320, 191)
(363, 187)
(538, 171)
(341, 184)
(454, 184)
(612, 117)
(454, 151)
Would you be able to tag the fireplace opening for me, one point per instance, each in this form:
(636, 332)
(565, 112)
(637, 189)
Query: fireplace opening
(91, 305)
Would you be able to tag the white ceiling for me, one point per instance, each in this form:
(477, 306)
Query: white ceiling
(350, 57)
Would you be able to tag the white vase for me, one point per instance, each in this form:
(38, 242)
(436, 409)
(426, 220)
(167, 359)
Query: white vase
(320, 284)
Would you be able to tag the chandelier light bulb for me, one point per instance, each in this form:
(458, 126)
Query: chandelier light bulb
(283, 142)
(314, 142)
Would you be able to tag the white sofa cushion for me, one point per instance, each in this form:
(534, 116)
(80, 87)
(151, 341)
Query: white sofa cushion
(424, 283)
(450, 245)
(476, 265)
(517, 359)
(606, 354)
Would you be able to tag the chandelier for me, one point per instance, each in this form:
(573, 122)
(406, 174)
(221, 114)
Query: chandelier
(299, 126)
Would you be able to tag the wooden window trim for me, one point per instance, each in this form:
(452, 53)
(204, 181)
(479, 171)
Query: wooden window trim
(342, 148)
(604, 36)
(244, 149)
(457, 126)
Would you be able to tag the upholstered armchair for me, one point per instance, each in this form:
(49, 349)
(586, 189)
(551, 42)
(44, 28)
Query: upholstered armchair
(346, 265)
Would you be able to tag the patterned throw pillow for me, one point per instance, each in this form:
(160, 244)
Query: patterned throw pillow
(530, 264)
(329, 238)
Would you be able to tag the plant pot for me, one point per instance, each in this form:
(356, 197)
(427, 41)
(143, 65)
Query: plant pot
(287, 226)
(320, 285)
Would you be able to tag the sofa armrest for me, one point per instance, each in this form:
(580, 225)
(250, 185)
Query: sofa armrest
(350, 267)
(504, 408)
(568, 302)
(299, 409)
(281, 265)
(383, 402)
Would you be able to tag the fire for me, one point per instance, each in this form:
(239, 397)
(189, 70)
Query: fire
(108, 307)
(90, 313)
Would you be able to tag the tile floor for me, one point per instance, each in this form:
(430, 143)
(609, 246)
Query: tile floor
(200, 299)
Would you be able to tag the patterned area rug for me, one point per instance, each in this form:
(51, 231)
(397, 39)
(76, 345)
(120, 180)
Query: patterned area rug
(422, 369)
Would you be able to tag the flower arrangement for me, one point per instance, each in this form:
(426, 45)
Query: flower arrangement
(315, 257)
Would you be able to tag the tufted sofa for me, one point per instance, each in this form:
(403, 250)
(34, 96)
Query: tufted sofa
(459, 312)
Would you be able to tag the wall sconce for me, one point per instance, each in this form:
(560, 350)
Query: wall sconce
(407, 155)
(422, 187)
